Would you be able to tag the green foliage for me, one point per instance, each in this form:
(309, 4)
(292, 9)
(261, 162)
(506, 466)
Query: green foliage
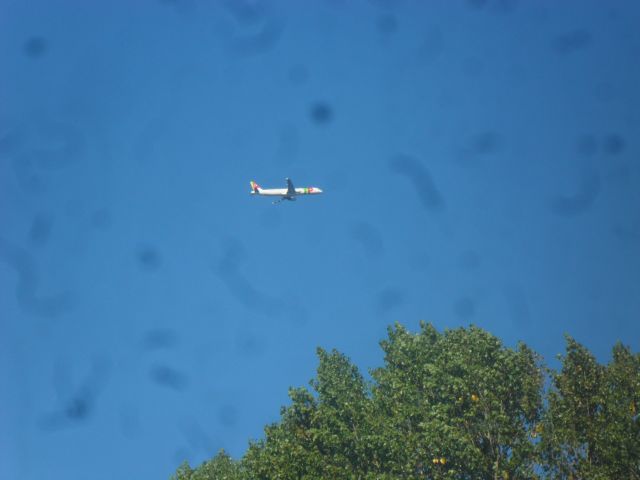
(220, 467)
(459, 396)
(183, 473)
(451, 405)
(321, 436)
(591, 427)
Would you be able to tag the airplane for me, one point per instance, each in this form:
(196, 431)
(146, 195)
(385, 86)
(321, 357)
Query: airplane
(289, 193)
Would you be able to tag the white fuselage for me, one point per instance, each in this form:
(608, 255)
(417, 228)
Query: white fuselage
(282, 192)
(290, 193)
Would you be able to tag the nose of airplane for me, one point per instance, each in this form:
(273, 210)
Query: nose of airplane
(319, 190)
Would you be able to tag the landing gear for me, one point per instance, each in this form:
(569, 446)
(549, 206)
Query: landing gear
(291, 199)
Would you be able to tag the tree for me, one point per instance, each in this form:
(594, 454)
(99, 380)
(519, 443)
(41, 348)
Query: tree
(183, 472)
(220, 467)
(591, 427)
(321, 436)
(458, 404)
(451, 405)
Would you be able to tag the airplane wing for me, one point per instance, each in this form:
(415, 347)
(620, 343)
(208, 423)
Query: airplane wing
(290, 188)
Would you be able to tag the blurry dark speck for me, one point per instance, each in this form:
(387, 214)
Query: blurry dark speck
(465, 308)
(479, 145)
(26, 288)
(77, 409)
(572, 41)
(160, 338)
(628, 233)
(101, 219)
(370, 239)
(197, 437)
(227, 415)
(148, 258)
(486, 143)
(168, 377)
(261, 41)
(246, 12)
(387, 24)
(241, 286)
(40, 229)
(580, 202)
(79, 406)
(587, 145)
(614, 144)
(388, 299)
(249, 344)
(418, 174)
(233, 257)
(321, 113)
(35, 47)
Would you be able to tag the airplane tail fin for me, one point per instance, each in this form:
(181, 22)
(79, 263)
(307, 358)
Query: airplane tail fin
(255, 188)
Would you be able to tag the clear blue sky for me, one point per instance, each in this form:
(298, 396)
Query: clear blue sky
(480, 161)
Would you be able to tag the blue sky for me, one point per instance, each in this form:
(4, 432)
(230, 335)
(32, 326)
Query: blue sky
(480, 163)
